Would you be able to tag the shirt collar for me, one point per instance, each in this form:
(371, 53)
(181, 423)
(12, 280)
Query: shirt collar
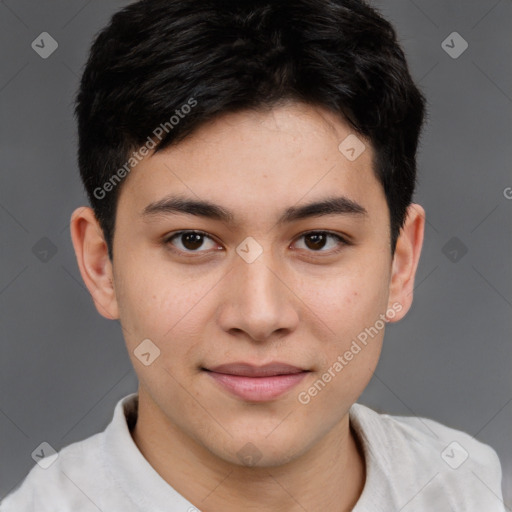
(145, 487)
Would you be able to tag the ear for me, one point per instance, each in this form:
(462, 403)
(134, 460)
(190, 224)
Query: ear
(405, 261)
(93, 261)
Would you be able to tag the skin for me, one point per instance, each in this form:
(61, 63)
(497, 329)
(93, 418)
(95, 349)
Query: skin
(296, 303)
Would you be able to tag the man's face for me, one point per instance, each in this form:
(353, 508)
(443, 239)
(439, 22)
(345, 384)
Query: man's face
(254, 290)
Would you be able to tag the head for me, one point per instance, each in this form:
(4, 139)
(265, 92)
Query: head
(257, 108)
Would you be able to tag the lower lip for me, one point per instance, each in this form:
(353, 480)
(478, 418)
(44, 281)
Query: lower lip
(257, 389)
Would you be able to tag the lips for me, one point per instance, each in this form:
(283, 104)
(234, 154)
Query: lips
(256, 383)
(249, 370)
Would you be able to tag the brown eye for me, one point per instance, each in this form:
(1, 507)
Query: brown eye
(316, 241)
(188, 241)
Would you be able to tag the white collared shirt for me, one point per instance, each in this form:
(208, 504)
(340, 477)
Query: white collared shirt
(412, 464)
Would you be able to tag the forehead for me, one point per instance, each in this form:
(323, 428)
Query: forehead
(260, 161)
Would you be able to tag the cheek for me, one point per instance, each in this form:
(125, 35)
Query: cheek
(351, 305)
(350, 300)
(169, 309)
(163, 310)
(150, 302)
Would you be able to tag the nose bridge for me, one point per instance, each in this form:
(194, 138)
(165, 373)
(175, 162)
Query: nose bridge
(258, 302)
(254, 260)
(260, 286)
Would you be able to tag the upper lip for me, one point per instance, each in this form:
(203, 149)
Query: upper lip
(249, 370)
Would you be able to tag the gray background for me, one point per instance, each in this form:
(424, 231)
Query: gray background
(63, 366)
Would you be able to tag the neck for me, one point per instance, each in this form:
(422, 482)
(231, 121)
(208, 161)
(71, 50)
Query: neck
(329, 476)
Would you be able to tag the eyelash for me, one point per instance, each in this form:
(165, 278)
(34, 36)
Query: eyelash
(167, 242)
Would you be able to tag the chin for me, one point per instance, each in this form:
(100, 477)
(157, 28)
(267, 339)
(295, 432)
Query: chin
(262, 452)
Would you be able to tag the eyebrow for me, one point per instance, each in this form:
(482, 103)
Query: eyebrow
(172, 205)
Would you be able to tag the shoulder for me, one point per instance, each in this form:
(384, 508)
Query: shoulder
(429, 463)
(419, 435)
(81, 476)
(59, 480)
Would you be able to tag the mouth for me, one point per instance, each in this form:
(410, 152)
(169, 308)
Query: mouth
(256, 383)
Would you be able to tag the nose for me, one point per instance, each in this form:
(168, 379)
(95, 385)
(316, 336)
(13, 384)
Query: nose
(258, 300)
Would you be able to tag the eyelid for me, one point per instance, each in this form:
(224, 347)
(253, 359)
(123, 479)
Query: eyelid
(342, 239)
(167, 239)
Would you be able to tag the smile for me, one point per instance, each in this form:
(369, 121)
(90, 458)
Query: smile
(257, 389)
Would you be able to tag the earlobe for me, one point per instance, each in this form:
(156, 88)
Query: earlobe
(93, 261)
(406, 259)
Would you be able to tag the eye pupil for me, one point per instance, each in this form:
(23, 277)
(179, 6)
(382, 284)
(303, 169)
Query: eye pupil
(194, 240)
(318, 240)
